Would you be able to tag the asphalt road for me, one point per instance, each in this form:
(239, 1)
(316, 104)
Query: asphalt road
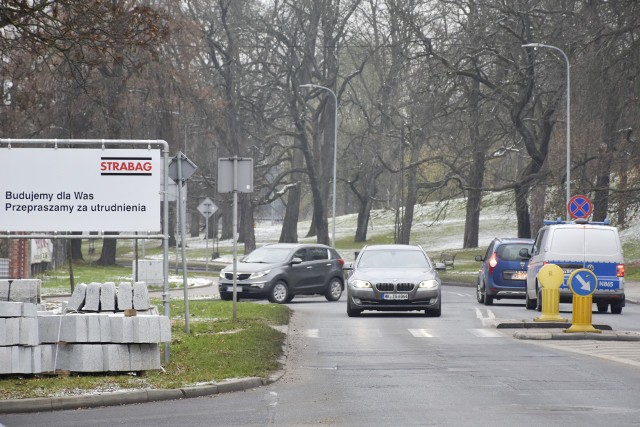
(390, 369)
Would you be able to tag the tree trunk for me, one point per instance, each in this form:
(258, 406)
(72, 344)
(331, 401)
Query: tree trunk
(76, 247)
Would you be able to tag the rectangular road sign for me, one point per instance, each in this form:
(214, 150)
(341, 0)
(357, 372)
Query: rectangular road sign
(80, 189)
(244, 173)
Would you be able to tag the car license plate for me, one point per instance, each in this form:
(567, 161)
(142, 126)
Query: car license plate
(519, 275)
(395, 296)
(230, 288)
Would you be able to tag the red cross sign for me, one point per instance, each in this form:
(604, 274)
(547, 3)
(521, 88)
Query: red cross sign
(580, 206)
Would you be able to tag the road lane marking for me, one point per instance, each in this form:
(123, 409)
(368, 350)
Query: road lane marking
(486, 333)
(312, 333)
(421, 333)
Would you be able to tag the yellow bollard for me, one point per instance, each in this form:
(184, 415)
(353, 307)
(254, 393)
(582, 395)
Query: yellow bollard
(551, 278)
(583, 284)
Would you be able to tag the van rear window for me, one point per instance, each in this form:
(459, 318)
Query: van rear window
(584, 241)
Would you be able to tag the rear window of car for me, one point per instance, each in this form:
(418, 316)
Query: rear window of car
(391, 258)
(511, 251)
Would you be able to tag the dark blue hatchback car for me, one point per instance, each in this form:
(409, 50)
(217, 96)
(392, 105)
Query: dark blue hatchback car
(504, 272)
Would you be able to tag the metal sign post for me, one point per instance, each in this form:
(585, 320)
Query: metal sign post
(207, 208)
(235, 175)
(180, 170)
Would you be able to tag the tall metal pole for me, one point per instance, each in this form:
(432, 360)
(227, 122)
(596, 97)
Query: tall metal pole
(568, 108)
(234, 226)
(182, 245)
(335, 155)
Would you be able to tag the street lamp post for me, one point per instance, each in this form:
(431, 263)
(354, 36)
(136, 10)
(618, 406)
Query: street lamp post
(335, 153)
(534, 45)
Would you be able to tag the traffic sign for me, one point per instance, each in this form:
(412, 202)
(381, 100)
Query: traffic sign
(583, 282)
(183, 171)
(207, 208)
(580, 207)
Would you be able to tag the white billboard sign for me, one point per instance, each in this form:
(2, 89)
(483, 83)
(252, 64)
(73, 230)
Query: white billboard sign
(66, 189)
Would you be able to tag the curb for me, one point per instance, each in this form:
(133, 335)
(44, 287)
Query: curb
(126, 397)
(573, 336)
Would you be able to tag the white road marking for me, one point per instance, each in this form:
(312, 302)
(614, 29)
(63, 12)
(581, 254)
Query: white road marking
(486, 333)
(312, 333)
(421, 333)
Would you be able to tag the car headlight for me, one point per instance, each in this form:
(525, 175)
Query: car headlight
(428, 284)
(259, 274)
(360, 284)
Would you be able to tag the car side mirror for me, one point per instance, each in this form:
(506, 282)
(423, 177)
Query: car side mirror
(524, 253)
(440, 266)
(479, 258)
(296, 260)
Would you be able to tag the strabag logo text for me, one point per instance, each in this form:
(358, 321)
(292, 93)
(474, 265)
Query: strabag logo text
(138, 166)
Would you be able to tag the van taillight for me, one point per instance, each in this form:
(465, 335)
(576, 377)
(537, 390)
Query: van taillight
(620, 270)
(492, 262)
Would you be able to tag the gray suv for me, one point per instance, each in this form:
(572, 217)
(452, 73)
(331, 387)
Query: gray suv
(283, 270)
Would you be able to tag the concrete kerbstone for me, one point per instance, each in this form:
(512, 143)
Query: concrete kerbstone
(125, 296)
(92, 299)
(108, 296)
(141, 296)
(77, 298)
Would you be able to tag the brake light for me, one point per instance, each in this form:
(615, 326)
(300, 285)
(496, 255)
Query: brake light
(620, 270)
(341, 261)
(492, 262)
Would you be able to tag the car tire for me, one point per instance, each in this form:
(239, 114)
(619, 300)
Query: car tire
(334, 290)
(539, 299)
(352, 312)
(479, 294)
(226, 296)
(279, 292)
(290, 298)
(529, 303)
(616, 309)
(488, 299)
(603, 307)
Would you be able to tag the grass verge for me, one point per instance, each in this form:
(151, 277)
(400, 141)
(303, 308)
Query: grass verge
(217, 348)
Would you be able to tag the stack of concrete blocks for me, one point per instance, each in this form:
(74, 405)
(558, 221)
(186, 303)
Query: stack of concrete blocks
(20, 352)
(20, 290)
(92, 335)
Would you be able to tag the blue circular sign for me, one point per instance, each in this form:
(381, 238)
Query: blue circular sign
(583, 282)
(580, 207)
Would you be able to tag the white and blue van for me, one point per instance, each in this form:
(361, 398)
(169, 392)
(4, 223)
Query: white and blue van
(574, 245)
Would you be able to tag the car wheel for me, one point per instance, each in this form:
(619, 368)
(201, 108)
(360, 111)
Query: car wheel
(539, 299)
(226, 296)
(616, 309)
(488, 299)
(334, 290)
(479, 294)
(602, 307)
(352, 312)
(529, 303)
(279, 292)
(290, 298)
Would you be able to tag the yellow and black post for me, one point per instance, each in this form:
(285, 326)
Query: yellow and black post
(583, 284)
(551, 278)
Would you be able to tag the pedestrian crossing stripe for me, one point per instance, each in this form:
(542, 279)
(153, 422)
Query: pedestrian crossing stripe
(421, 333)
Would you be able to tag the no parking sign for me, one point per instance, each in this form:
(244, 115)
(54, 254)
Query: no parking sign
(580, 207)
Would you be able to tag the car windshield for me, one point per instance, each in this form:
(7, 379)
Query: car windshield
(268, 255)
(511, 252)
(392, 258)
